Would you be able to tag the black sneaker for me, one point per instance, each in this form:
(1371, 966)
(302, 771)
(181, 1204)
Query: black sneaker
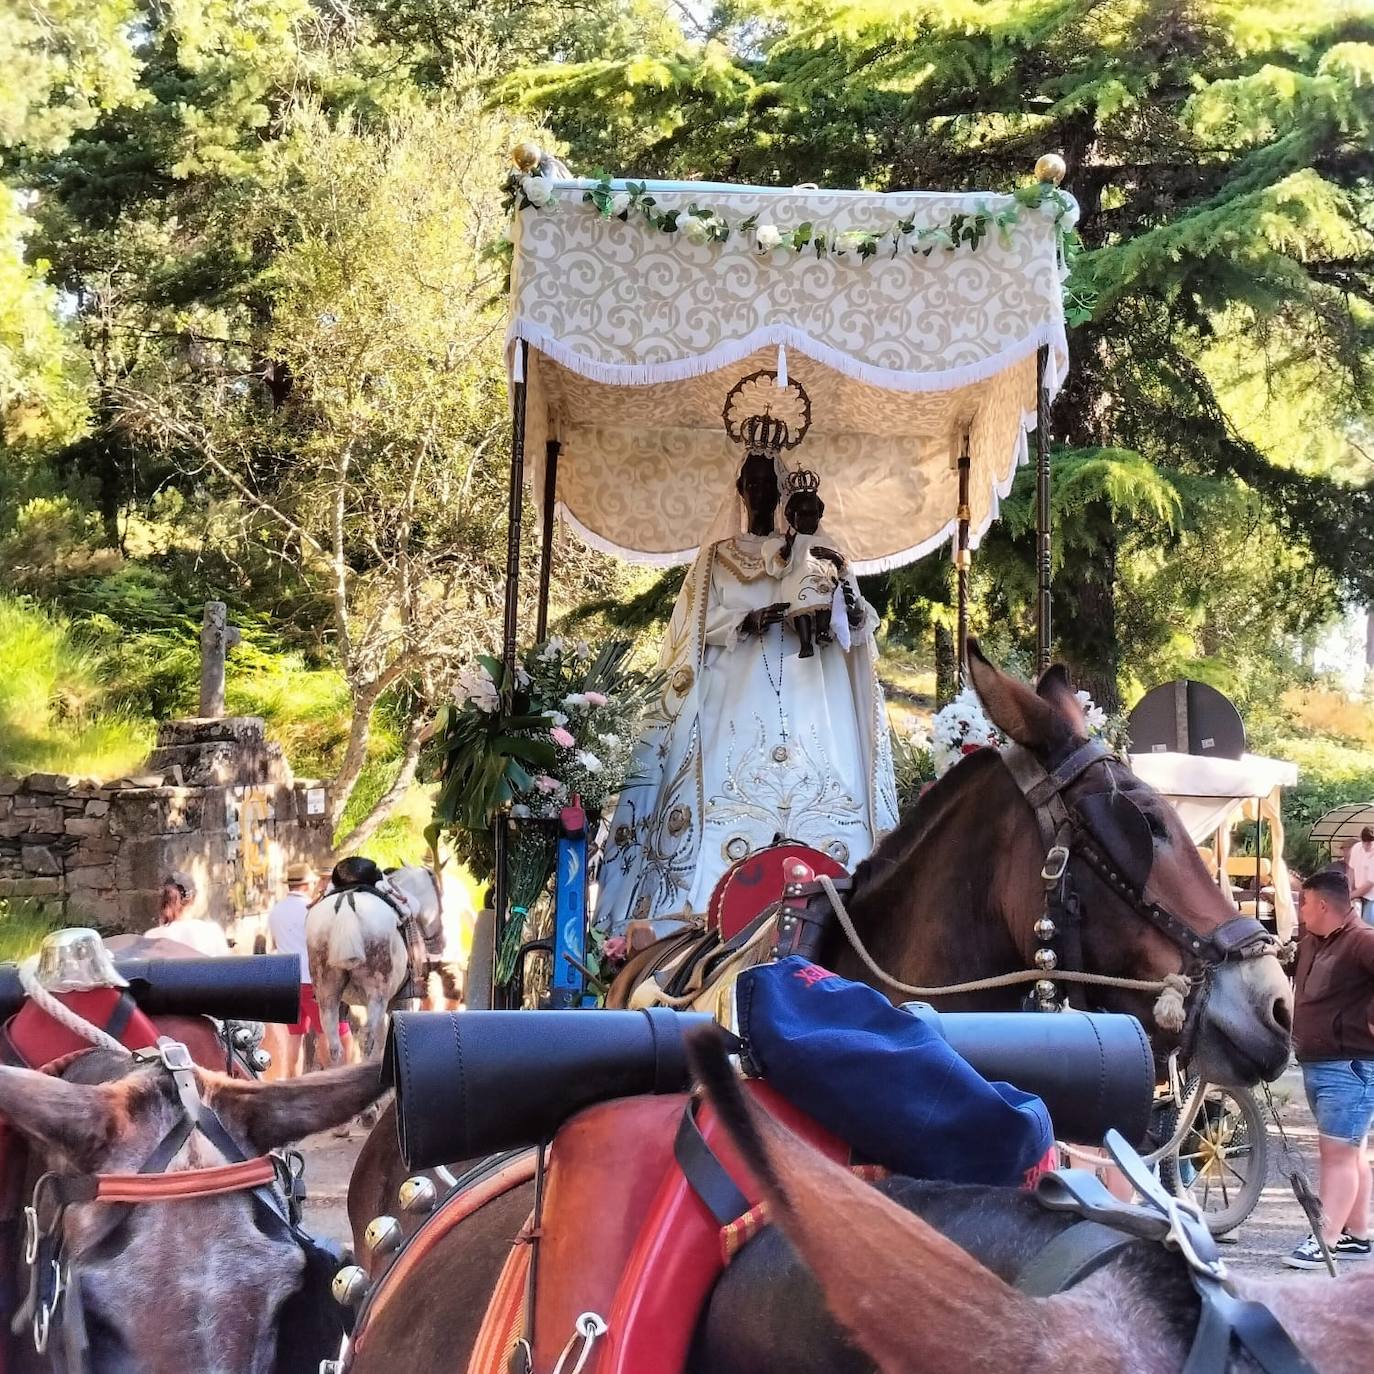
(1308, 1255)
(1351, 1247)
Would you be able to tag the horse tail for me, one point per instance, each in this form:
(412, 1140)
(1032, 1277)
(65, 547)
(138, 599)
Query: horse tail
(345, 935)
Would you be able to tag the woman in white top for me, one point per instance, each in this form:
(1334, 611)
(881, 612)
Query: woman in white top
(178, 896)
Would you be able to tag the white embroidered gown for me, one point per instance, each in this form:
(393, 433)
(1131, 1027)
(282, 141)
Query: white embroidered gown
(750, 743)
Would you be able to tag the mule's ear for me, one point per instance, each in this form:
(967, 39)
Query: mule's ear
(268, 1115)
(1054, 687)
(78, 1120)
(1017, 710)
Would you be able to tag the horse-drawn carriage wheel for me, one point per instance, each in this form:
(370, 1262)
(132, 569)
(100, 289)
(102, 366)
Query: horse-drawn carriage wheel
(1222, 1163)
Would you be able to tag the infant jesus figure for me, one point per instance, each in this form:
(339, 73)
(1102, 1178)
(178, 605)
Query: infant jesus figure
(809, 572)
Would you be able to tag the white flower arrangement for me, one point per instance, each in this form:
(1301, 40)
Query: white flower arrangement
(696, 230)
(959, 729)
(475, 685)
(538, 191)
(962, 728)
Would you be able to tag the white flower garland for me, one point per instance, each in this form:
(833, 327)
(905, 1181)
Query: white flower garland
(962, 728)
(705, 224)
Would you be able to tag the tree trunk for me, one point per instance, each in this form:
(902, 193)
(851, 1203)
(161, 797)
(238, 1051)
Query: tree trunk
(1369, 638)
(388, 801)
(946, 666)
(1088, 629)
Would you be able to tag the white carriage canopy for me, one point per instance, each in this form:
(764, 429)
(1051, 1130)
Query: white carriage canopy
(1213, 794)
(635, 336)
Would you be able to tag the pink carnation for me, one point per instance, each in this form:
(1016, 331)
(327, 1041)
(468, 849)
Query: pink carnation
(547, 784)
(561, 737)
(595, 698)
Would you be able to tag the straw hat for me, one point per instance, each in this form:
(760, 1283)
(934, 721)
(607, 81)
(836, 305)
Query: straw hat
(300, 873)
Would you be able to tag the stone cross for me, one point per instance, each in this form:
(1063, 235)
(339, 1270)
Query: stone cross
(217, 637)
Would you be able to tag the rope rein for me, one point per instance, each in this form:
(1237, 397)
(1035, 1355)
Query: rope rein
(64, 1015)
(1173, 988)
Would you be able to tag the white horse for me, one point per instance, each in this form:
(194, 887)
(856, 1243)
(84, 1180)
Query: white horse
(356, 950)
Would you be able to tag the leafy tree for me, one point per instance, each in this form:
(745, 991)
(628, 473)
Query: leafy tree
(372, 458)
(1220, 152)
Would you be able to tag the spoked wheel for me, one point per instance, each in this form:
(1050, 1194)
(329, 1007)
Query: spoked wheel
(1223, 1161)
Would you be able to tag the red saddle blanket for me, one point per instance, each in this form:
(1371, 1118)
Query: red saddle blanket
(624, 1235)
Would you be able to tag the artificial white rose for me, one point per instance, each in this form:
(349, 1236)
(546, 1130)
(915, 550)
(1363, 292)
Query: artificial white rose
(538, 190)
(620, 202)
(589, 761)
(768, 237)
(574, 700)
(697, 230)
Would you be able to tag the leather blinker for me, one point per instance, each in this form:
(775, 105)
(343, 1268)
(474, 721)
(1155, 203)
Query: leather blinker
(1120, 828)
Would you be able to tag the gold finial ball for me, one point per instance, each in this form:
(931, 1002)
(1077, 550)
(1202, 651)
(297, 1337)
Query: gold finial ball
(1051, 167)
(526, 156)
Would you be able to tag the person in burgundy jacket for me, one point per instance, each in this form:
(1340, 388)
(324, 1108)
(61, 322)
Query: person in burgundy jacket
(1333, 1003)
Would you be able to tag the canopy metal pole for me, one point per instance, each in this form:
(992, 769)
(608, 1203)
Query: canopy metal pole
(963, 559)
(513, 514)
(1043, 532)
(510, 631)
(541, 620)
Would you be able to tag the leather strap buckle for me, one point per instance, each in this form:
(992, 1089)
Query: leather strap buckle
(1056, 863)
(171, 1054)
(1184, 1221)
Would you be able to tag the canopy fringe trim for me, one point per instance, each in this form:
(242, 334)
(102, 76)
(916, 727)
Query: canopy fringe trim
(782, 335)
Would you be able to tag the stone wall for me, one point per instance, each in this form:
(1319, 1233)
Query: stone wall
(218, 803)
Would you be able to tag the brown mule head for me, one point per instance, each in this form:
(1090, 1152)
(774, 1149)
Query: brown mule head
(182, 1285)
(1243, 1028)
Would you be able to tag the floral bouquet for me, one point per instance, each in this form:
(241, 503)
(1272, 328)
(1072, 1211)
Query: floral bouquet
(561, 731)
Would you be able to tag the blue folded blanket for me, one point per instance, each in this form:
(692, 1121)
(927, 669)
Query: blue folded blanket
(883, 1080)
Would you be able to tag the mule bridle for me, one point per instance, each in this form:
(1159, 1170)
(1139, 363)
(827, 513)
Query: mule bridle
(1069, 838)
(54, 1289)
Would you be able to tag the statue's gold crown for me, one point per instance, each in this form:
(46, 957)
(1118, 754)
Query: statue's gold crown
(803, 479)
(764, 417)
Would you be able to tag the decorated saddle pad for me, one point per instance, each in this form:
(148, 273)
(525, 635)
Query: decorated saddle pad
(884, 1080)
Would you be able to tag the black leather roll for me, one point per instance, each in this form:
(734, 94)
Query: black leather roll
(245, 987)
(470, 1083)
(1094, 1071)
(242, 987)
(11, 994)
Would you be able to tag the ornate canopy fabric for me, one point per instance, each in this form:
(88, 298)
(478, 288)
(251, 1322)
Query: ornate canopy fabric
(635, 336)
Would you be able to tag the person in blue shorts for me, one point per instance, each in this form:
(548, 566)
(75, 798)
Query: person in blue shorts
(1333, 1002)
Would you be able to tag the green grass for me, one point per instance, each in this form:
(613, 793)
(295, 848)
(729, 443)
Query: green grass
(22, 928)
(54, 701)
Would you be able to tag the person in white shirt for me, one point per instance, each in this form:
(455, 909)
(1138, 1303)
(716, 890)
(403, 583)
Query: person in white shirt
(1359, 863)
(286, 930)
(174, 922)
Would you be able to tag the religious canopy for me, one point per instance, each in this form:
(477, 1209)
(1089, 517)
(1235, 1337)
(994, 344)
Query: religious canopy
(912, 320)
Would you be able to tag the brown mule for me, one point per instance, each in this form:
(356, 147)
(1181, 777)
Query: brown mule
(955, 892)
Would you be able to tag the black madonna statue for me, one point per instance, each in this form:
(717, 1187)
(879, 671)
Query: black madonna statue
(751, 740)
